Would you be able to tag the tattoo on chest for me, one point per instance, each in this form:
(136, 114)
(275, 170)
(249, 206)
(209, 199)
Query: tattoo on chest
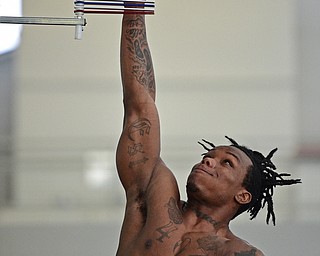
(181, 246)
(209, 243)
(174, 212)
(206, 245)
(165, 230)
(175, 217)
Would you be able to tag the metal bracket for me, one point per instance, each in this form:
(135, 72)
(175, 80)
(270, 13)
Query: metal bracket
(78, 22)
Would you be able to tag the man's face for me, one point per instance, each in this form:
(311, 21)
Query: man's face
(219, 176)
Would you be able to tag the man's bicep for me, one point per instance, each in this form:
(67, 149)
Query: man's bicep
(138, 149)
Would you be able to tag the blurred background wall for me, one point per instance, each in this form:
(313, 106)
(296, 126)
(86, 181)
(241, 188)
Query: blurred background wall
(247, 69)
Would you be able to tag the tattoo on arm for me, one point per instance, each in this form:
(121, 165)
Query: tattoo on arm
(142, 126)
(135, 149)
(139, 51)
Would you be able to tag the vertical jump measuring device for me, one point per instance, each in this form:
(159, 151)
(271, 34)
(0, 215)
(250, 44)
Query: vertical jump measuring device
(82, 7)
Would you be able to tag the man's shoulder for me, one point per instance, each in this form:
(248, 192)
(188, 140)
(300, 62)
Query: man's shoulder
(250, 252)
(246, 249)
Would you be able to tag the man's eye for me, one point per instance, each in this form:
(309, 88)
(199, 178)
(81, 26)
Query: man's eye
(228, 162)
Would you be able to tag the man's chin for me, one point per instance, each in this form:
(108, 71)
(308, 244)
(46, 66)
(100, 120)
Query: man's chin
(192, 188)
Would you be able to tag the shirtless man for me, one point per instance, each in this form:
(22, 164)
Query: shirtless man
(156, 221)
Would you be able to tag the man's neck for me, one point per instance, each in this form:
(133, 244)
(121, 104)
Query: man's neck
(204, 219)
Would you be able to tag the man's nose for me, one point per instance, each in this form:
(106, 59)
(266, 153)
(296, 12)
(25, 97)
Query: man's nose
(210, 162)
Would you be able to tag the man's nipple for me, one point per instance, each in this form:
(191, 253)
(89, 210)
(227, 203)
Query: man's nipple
(148, 244)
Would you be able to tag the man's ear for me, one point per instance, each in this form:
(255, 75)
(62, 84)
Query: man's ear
(243, 196)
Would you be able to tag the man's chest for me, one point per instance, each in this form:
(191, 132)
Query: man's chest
(169, 240)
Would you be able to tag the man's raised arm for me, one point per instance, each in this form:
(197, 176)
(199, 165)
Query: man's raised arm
(139, 146)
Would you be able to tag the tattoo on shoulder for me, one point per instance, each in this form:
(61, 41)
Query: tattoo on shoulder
(252, 252)
(141, 126)
(174, 212)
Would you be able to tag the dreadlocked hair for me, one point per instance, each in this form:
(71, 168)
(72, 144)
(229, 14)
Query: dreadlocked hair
(260, 180)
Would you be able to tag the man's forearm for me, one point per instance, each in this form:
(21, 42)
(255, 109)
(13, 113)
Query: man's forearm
(136, 63)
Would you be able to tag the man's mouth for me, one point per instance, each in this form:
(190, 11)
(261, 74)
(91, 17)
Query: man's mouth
(203, 170)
